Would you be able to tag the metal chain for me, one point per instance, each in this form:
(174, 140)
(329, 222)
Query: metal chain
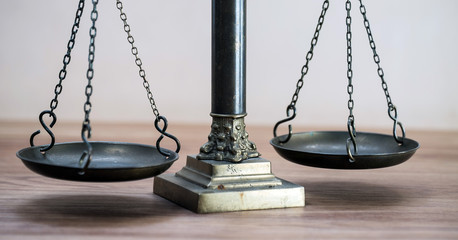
(146, 85)
(86, 157)
(392, 111)
(58, 88)
(67, 57)
(351, 103)
(309, 55)
(90, 70)
(304, 71)
(138, 61)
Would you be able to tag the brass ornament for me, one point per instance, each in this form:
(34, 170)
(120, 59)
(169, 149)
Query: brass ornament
(228, 141)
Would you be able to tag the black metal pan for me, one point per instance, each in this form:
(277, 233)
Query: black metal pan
(327, 149)
(111, 161)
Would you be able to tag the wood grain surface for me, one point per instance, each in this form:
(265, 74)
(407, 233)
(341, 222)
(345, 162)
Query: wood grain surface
(415, 200)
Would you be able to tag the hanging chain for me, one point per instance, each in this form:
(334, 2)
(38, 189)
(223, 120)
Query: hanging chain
(67, 57)
(86, 129)
(309, 55)
(138, 61)
(146, 85)
(58, 88)
(351, 103)
(304, 71)
(90, 70)
(392, 111)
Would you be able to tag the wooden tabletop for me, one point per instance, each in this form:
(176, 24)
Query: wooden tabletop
(415, 200)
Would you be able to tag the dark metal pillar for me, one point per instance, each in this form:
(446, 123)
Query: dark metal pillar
(228, 140)
(228, 57)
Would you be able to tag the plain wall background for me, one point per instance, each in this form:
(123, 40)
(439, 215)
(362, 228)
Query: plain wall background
(416, 41)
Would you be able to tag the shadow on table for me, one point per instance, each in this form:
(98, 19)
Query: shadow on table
(95, 210)
(354, 195)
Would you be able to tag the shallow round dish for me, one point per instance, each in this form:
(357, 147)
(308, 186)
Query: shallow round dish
(328, 150)
(111, 161)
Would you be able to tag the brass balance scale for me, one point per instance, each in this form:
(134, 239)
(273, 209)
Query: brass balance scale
(228, 173)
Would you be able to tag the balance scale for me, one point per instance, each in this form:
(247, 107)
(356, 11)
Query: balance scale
(228, 173)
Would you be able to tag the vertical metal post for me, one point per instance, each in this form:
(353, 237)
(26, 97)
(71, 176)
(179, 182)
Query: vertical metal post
(228, 140)
(228, 57)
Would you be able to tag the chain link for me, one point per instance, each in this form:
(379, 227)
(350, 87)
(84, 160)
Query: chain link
(392, 110)
(376, 57)
(90, 70)
(138, 61)
(86, 129)
(309, 56)
(58, 88)
(67, 56)
(351, 103)
(300, 83)
(142, 74)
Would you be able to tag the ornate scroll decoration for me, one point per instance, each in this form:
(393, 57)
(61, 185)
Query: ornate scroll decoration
(228, 141)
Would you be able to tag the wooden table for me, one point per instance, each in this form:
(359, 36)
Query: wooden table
(414, 200)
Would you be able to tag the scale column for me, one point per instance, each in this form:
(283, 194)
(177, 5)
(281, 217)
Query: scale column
(227, 174)
(228, 139)
(228, 58)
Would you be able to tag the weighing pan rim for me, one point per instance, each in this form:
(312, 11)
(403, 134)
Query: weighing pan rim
(171, 159)
(99, 174)
(275, 144)
(337, 158)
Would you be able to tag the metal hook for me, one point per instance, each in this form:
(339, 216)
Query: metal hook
(392, 109)
(43, 124)
(86, 157)
(163, 132)
(289, 118)
(400, 140)
(351, 139)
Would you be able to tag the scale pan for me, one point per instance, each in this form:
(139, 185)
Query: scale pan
(111, 161)
(328, 150)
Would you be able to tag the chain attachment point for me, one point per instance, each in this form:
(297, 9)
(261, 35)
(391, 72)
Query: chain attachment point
(289, 118)
(48, 130)
(86, 157)
(164, 133)
(393, 113)
(352, 139)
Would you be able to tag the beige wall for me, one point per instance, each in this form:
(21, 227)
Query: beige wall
(416, 40)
